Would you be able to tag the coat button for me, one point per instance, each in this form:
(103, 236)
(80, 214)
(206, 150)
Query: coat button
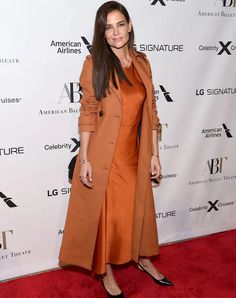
(101, 113)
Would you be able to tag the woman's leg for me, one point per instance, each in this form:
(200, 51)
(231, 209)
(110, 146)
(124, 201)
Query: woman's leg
(150, 268)
(109, 281)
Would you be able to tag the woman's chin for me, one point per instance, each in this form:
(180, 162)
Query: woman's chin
(118, 45)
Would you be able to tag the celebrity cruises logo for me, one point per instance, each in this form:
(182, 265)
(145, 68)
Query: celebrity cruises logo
(10, 100)
(73, 147)
(211, 206)
(222, 48)
(154, 2)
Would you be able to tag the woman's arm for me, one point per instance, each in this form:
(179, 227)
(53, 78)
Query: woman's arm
(85, 168)
(87, 121)
(155, 162)
(155, 169)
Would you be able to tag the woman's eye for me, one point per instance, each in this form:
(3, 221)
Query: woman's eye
(121, 24)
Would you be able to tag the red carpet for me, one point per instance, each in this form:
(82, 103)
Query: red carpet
(204, 267)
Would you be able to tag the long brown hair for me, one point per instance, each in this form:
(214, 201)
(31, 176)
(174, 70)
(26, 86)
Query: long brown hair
(105, 62)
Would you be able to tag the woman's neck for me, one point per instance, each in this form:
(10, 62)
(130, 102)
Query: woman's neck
(123, 55)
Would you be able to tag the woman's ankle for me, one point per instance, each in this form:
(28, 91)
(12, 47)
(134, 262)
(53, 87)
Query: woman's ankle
(144, 261)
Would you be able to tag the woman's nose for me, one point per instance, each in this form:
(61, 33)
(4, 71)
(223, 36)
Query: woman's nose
(115, 31)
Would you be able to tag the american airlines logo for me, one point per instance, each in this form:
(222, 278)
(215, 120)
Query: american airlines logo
(217, 132)
(165, 92)
(7, 200)
(87, 43)
(163, 2)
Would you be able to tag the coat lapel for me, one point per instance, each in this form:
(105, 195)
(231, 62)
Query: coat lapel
(144, 75)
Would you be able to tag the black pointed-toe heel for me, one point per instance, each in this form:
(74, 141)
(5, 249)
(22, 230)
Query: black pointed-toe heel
(121, 295)
(162, 282)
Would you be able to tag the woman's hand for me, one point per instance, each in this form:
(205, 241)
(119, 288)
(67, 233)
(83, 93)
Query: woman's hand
(155, 169)
(86, 174)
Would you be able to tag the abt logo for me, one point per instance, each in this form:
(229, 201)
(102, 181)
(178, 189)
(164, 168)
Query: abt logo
(215, 165)
(162, 126)
(4, 239)
(154, 2)
(226, 3)
(7, 200)
(71, 92)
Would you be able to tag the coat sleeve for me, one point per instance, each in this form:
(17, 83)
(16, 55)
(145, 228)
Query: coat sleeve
(89, 104)
(155, 118)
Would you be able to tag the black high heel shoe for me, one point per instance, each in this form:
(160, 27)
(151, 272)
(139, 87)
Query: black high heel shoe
(121, 295)
(162, 282)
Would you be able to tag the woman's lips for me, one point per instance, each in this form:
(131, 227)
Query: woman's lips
(117, 39)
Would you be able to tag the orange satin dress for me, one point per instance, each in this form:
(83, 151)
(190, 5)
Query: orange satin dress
(114, 238)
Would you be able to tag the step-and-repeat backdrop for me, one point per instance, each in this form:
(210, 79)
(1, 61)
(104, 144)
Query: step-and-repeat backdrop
(192, 48)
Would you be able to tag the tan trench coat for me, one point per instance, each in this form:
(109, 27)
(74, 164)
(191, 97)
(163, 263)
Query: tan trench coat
(104, 119)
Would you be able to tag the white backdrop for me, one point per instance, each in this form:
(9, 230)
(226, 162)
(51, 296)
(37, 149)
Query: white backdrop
(192, 48)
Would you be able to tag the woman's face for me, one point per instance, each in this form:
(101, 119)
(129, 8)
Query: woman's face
(117, 29)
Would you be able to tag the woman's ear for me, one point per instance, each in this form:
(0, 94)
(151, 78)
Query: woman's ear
(130, 26)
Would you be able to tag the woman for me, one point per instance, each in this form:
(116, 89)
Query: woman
(111, 215)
